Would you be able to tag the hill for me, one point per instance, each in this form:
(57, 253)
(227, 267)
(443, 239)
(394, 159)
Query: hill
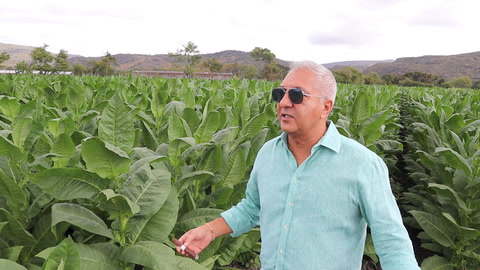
(360, 65)
(18, 53)
(445, 66)
(163, 61)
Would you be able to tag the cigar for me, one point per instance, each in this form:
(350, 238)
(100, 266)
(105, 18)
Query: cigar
(189, 252)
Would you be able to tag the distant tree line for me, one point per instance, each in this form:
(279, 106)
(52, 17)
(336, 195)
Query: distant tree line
(44, 62)
(188, 60)
(350, 75)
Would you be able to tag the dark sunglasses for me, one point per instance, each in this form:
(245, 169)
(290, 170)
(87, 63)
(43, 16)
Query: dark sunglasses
(296, 95)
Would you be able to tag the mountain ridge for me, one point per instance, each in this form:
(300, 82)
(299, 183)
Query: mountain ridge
(445, 66)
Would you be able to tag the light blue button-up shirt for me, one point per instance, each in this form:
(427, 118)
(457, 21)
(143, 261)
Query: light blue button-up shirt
(314, 216)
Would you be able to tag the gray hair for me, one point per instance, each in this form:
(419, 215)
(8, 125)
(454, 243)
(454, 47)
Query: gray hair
(326, 82)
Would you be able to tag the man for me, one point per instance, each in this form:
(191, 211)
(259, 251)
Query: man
(313, 191)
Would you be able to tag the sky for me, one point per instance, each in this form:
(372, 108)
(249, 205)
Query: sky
(294, 30)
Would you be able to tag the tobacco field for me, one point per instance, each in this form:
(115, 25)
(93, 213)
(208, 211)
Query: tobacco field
(102, 172)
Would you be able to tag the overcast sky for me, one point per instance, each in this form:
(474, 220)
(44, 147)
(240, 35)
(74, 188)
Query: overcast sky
(322, 31)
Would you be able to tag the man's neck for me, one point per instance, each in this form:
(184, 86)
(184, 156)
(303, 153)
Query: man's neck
(301, 144)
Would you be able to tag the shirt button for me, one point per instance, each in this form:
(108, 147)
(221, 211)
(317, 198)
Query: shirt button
(285, 227)
(294, 179)
(281, 250)
(290, 204)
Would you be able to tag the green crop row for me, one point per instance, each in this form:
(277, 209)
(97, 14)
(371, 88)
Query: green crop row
(101, 172)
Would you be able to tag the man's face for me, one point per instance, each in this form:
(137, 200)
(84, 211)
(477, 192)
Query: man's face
(309, 117)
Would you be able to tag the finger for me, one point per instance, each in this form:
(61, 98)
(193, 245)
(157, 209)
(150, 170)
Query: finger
(185, 249)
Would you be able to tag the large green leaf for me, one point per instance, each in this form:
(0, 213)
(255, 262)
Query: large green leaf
(176, 128)
(81, 217)
(116, 125)
(208, 126)
(94, 259)
(436, 227)
(58, 126)
(452, 194)
(116, 205)
(12, 253)
(9, 106)
(197, 217)
(226, 135)
(44, 235)
(26, 132)
(157, 105)
(152, 194)
(370, 128)
(13, 194)
(454, 159)
(254, 125)
(212, 159)
(64, 148)
(231, 248)
(64, 256)
(191, 117)
(75, 98)
(186, 179)
(136, 175)
(150, 254)
(219, 198)
(70, 183)
(455, 122)
(149, 138)
(436, 263)
(465, 232)
(10, 265)
(235, 170)
(176, 147)
(15, 231)
(361, 108)
(104, 159)
(21, 131)
(8, 149)
(156, 227)
(188, 264)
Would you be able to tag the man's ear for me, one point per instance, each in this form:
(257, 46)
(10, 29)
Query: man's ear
(327, 107)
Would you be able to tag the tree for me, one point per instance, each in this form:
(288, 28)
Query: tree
(409, 82)
(237, 69)
(476, 85)
(461, 82)
(22, 67)
(262, 54)
(187, 58)
(61, 62)
(4, 57)
(251, 72)
(79, 69)
(271, 70)
(374, 78)
(104, 67)
(349, 75)
(41, 59)
(426, 78)
(389, 79)
(212, 64)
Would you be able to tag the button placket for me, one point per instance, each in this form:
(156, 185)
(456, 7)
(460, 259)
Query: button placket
(287, 218)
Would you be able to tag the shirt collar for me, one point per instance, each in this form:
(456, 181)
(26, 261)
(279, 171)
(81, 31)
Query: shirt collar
(331, 138)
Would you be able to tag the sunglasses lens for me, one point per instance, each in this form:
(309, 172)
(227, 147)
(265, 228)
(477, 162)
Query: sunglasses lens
(295, 95)
(277, 94)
